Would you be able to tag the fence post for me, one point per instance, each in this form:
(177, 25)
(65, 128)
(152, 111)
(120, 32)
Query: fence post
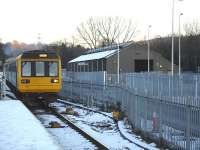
(80, 92)
(71, 88)
(169, 86)
(181, 82)
(136, 111)
(188, 124)
(196, 87)
(145, 115)
(160, 119)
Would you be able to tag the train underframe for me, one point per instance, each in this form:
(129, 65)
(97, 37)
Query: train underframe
(47, 96)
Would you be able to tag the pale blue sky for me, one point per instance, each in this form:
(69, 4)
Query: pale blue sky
(57, 19)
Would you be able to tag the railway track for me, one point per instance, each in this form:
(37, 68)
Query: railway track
(46, 110)
(106, 115)
(78, 129)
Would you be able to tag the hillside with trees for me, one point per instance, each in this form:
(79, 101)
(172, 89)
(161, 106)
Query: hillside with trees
(190, 47)
(190, 50)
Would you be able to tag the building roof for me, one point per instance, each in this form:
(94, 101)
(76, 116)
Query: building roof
(94, 56)
(103, 52)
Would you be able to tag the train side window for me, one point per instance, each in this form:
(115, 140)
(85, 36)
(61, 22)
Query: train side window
(26, 68)
(40, 68)
(53, 69)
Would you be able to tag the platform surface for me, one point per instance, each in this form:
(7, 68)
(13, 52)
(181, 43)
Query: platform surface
(20, 130)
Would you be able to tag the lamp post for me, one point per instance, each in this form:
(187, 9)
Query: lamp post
(179, 45)
(148, 50)
(172, 51)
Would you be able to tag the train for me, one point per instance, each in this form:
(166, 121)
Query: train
(36, 74)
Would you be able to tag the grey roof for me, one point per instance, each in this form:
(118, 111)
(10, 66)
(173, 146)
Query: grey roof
(99, 53)
(94, 56)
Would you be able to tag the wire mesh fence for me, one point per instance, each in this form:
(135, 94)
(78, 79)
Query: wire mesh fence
(162, 106)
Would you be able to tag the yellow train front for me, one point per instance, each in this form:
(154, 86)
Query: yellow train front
(35, 73)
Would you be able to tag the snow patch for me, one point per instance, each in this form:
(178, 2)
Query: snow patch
(20, 130)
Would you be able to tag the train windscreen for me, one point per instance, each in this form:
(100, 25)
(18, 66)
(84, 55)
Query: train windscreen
(39, 68)
(53, 69)
(26, 69)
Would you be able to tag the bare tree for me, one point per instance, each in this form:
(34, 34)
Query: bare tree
(106, 30)
(88, 32)
(192, 28)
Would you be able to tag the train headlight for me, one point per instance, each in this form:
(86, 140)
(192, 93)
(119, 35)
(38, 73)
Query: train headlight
(54, 80)
(25, 81)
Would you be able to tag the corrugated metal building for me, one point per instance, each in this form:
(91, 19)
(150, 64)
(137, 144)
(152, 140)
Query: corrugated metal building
(132, 58)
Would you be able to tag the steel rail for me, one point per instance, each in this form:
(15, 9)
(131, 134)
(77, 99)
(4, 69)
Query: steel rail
(96, 111)
(99, 145)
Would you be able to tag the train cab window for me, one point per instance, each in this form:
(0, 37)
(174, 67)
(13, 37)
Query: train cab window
(26, 68)
(53, 69)
(39, 67)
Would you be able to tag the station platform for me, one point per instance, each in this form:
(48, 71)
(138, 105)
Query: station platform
(20, 130)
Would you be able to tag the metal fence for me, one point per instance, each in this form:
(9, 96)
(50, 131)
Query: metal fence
(95, 77)
(162, 106)
(1, 85)
(1, 88)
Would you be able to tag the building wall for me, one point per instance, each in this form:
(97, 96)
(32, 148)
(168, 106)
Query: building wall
(137, 52)
(111, 65)
(88, 66)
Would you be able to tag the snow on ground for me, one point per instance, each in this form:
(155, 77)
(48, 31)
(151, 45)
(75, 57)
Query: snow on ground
(127, 133)
(100, 127)
(20, 130)
(80, 105)
(67, 137)
(8, 94)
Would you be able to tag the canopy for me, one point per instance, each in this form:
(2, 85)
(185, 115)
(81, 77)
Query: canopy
(94, 56)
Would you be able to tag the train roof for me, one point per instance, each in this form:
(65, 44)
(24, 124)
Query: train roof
(35, 54)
